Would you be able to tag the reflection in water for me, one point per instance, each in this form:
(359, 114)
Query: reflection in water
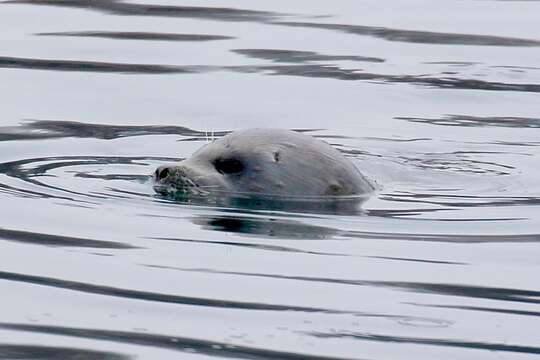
(331, 205)
(35, 352)
(134, 35)
(446, 82)
(446, 238)
(433, 342)
(277, 227)
(457, 162)
(176, 343)
(240, 244)
(463, 201)
(58, 240)
(265, 227)
(423, 37)
(307, 70)
(49, 129)
(418, 260)
(91, 66)
(441, 259)
(485, 309)
(16, 169)
(150, 296)
(126, 177)
(118, 7)
(453, 63)
(294, 56)
(45, 129)
(230, 14)
(478, 121)
(467, 291)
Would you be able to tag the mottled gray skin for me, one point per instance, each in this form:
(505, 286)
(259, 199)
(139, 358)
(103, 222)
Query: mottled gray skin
(264, 162)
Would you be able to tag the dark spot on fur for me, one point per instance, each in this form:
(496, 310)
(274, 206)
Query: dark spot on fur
(277, 156)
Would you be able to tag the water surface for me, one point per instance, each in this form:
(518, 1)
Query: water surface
(436, 102)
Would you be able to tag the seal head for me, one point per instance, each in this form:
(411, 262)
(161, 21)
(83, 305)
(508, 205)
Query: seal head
(264, 162)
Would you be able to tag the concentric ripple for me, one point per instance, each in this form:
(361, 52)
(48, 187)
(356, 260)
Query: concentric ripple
(70, 177)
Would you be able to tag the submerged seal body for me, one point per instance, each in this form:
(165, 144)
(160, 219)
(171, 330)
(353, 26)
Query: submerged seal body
(264, 162)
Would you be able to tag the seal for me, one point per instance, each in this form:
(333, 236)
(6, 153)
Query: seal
(258, 162)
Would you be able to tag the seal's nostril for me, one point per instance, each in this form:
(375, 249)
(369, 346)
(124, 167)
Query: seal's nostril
(162, 174)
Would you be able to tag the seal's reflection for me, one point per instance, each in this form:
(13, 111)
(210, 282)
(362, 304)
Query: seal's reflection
(291, 205)
(271, 227)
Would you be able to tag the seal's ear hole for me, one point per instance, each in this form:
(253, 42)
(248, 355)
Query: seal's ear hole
(334, 189)
(228, 166)
(277, 156)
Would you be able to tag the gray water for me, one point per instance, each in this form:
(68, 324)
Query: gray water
(436, 101)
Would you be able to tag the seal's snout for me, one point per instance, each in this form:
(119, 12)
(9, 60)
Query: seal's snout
(176, 178)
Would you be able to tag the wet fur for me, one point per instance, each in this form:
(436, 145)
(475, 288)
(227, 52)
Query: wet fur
(273, 162)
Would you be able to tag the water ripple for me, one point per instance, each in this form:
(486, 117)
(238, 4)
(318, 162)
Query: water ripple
(176, 343)
(460, 290)
(28, 237)
(263, 247)
(478, 121)
(92, 66)
(438, 108)
(19, 170)
(118, 7)
(302, 70)
(50, 129)
(138, 35)
(35, 352)
(152, 296)
(414, 36)
(295, 56)
(471, 345)
(231, 14)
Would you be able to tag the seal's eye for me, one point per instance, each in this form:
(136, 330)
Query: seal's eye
(228, 166)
